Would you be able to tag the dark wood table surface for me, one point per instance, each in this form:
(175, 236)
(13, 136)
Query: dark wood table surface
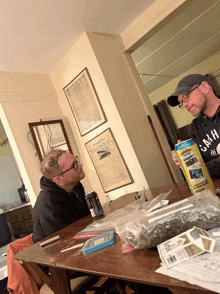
(136, 266)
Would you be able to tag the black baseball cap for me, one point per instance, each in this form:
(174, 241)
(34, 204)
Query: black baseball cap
(185, 85)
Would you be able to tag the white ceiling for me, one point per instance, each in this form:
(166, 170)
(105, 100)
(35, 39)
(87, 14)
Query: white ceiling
(36, 34)
(188, 37)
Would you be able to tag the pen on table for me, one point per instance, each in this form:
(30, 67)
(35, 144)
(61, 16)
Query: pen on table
(75, 246)
(50, 240)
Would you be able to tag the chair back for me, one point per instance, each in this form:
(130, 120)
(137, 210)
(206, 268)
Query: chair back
(21, 277)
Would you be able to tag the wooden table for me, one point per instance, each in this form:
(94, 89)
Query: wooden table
(137, 266)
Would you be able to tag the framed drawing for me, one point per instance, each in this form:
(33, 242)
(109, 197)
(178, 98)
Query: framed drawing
(49, 135)
(108, 161)
(84, 102)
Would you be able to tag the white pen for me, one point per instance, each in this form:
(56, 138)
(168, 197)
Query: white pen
(50, 240)
(75, 246)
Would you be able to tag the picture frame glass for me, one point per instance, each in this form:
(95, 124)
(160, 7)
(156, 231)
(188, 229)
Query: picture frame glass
(84, 102)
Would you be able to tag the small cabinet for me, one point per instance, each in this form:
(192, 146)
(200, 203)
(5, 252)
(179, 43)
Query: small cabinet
(20, 220)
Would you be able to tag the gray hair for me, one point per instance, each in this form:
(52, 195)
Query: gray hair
(50, 164)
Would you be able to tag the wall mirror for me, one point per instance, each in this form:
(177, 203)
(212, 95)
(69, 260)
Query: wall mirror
(49, 135)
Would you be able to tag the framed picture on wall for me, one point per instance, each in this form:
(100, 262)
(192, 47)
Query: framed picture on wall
(84, 102)
(108, 161)
(48, 136)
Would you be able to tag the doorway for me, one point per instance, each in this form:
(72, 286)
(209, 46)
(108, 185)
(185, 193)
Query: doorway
(186, 41)
(10, 176)
(13, 191)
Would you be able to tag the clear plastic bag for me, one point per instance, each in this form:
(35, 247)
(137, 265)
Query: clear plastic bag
(146, 231)
(121, 216)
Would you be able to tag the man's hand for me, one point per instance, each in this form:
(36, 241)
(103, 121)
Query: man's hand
(175, 159)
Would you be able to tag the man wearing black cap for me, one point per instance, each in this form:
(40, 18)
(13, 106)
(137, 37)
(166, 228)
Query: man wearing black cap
(195, 94)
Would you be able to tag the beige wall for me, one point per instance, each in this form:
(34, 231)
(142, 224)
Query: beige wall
(26, 98)
(181, 116)
(80, 56)
(124, 105)
(133, 106)
(30, 97)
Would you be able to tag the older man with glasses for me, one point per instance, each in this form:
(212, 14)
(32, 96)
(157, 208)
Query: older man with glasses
(62, 197)
(62, 202)
(195, 94)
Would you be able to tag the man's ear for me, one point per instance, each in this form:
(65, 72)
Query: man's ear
(205, 87)
(57, 180)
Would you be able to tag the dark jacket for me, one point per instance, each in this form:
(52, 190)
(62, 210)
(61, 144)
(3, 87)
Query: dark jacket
(55, 208)
(205, 132)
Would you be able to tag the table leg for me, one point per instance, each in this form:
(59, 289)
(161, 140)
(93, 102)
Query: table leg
(59, 281)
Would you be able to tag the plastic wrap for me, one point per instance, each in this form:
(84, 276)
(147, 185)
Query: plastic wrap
(146, 231)
(121, 216)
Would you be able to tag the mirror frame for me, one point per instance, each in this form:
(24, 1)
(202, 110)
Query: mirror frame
(48, 122)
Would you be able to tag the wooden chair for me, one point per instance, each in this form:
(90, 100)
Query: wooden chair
(78, 287)
(75, 285)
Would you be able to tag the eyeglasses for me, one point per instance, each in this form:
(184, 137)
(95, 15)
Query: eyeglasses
(73, 166)
(186, 97)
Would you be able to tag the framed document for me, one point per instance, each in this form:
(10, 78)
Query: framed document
(84, 102)
(108, 161)
(49, 135)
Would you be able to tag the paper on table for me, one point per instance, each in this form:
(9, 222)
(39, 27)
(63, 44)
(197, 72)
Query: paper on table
(208, 263)
(190, 279)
